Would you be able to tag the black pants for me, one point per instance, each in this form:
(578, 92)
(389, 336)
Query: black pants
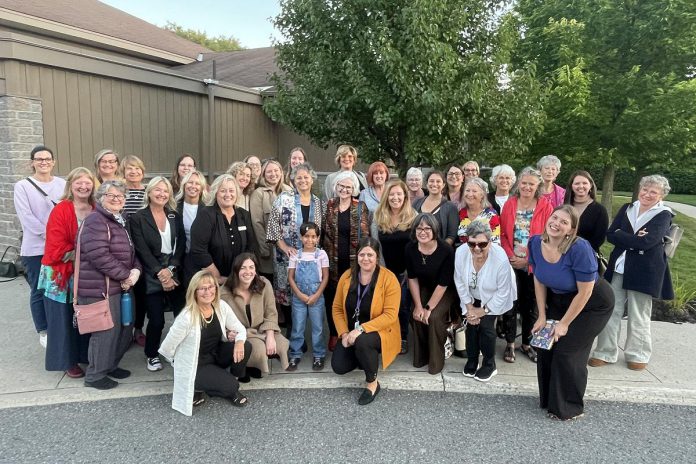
(525, 306)
(562, 370)
(155, 305)
(480, 338)
(329, 295)
(217, 374)
(140, 304)
(363, 354)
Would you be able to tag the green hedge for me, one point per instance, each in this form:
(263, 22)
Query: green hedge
(680, 181)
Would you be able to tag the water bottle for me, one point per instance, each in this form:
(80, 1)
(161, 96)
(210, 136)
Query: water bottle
(126, 309)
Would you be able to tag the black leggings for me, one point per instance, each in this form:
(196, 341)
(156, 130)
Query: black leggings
(363, 354)
(525, 306)
(218, 376)
(155, 305)
(480, 338)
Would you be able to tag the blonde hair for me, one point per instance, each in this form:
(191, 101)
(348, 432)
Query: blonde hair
(203, 197)
(237, 167)
(132, 160)
(346, 150)
(383, 212)
(280, 186)
(571, 238)
(192, 305)
(217, 183)
(171, 203)
(74, 174)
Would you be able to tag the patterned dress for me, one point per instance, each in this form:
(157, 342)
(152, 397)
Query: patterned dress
(284, 224)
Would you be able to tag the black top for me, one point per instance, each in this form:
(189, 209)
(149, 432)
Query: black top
(305, 213)
(393, 245)
(364, 314)
(343, 241)
(248, 314)
(494, 204)
(210, 238)
(211, 334)
(438, 268)
(593, 224)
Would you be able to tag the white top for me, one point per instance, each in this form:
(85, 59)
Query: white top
(322, 260)
(166, 239)
(501, 200)
(190, 212)
(495, 282)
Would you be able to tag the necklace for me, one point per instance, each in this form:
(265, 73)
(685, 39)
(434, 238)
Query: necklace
(423, 258)
(212, 314)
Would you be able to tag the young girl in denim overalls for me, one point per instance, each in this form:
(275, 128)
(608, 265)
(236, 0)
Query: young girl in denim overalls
(308, 274)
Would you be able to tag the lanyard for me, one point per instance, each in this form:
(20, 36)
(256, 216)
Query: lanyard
(361, 295)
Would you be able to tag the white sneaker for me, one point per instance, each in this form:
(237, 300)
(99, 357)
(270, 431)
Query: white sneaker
(43, 338)
(154, 364)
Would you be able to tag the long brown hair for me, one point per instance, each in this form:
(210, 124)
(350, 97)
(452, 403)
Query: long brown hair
(257, 285)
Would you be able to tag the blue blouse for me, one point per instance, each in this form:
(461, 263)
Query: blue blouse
(578, 264)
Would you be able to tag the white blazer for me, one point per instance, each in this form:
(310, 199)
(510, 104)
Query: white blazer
(496, 280)
(182, 344)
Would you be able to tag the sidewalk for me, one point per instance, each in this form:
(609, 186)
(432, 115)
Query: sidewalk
(670, 378)
(685, 209)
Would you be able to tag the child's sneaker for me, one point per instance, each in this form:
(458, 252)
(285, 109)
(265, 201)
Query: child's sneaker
(318, 364)
(292, 365)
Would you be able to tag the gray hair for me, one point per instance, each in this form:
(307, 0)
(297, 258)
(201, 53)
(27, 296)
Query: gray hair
(482, 185)
(303, 167)
(343, 175)
(217, 183)
(549, 160)
(502, 169)
(104, 188)
(429, 220)
(477, 228)
(414, 172)
(658, 180)
(528, 171)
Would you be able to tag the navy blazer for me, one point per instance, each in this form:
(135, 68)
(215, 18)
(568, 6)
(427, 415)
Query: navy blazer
(645, 269)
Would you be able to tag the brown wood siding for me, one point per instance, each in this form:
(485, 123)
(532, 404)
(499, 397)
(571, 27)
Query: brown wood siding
(84, 113)
(241, 129)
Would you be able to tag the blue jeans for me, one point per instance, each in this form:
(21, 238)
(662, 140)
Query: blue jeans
(32, 266)
(300, 311)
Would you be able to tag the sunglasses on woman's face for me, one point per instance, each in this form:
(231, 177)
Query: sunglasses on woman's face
(480, 245)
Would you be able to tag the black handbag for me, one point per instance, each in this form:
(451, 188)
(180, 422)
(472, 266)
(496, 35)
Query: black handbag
(8, 269)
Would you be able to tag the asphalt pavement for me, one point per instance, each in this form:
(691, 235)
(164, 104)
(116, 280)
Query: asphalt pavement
(326, 425)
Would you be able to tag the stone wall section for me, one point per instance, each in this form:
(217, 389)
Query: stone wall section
(21, 129)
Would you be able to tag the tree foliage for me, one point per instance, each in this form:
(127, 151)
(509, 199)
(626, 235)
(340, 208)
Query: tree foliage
(620, 81)
(414, 81)
(220, 43)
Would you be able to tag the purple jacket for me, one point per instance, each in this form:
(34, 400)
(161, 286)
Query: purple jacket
(100, 257)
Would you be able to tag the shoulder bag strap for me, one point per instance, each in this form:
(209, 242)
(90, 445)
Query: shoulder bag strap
(77, 264)
(40, 190)
(359, 220)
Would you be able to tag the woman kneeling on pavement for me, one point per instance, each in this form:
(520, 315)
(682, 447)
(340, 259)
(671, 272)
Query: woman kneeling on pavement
(486, 286)
(365, 311)
(206, 342)
(570, 292)
(251, 298)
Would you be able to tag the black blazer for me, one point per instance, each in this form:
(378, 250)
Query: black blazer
(148, 242)
(209, 240)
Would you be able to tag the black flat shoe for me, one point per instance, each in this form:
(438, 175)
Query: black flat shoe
(254, 372)
(367, 396)
(104, 383)
(119, 373)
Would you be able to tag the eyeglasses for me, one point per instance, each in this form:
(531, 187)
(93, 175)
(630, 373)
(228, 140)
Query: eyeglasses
(42, 160)
(114, 197)
(471, 170)
(103, 161)
(344, 188)
(480, 245)
(454, 174)
(421, 230)
(206, 289)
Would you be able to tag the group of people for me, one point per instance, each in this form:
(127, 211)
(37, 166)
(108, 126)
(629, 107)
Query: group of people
(371, 259)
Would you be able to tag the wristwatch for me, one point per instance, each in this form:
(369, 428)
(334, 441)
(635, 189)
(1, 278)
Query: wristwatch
(486, 310)
(172, 269)
(360, 329)
(427, 307)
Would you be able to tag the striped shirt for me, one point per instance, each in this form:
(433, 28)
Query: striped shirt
(134, 201)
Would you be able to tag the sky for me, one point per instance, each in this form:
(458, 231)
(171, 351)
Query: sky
(246, 20)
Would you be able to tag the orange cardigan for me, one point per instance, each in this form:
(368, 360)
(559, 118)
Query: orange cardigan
(384, 312)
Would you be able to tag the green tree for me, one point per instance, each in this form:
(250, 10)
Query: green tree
(620, 81)
(413, 81)
(220, 43)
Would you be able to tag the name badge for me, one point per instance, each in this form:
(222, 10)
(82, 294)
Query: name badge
(241, 228)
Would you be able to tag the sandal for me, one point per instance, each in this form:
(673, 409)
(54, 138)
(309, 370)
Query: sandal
(198, 398)
(530, 352)
(240, 400)
(509, 355)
